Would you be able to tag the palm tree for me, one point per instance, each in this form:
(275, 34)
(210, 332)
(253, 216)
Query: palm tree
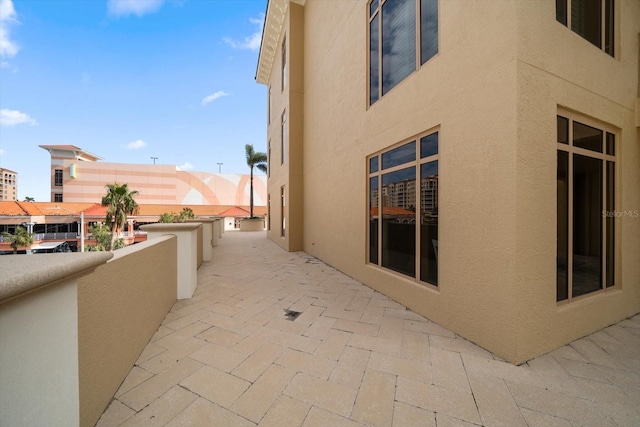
(19, 239)
(258, 160)
(29, 199)
(120, 202)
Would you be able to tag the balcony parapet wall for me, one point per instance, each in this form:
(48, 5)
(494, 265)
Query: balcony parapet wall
(39, 381)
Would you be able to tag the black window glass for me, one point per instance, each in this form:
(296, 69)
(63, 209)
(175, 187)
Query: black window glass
(609, 27)
(587, 225)
(610, 224)
(58, 177)
(373, 164)
(374, 70)
(587, 137)
(428, 29)
(429, 145)
(611, 144)
(399, 221)
(563, 130)
(429, 222)
(400, 155)
(372, 7)
(586, 20)
(398, 42)
(562, 225)
(373, 219)
(561, 11)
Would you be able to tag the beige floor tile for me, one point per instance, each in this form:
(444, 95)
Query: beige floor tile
(427, 327)
(406, 415)
(220, 336)
(136, 377)
(215, 385)
(391, 328)
(448, 370)
(333, 345)
(253, 342)
(154, 387)
(285, 410)
(495, 403)
(403, 313)
(204, 413)
(258, 362)
(320, 328)
(224, 322)
(538, 419)
(167, 359)
(419, 371)
(380, 345)
(437, 399)
(459, 345)
(303, 362)
(285, 325)
(338, 313)
(163, 409)
(323, 394)
(151, 350)
(581, 369)
(218, 357)
(320, 418)
(162, 331)
(296, 342)
(372, 314)
(116, 414)
(220, 308)
(416, 346)
(595, 354)
(255, 402)
(350, 368)
(356, 327)
(374, 403)
(444, 420)
(188, 319)
(310, 315)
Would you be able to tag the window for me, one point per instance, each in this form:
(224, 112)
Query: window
(269, 212)
(269, 106)
(284, 62)
(593, 20)
(403, 187)
(57, 197)
(283, 138)
(395, 51)
(58, 177)
(283, 212)
(268, 158)
(585, 207)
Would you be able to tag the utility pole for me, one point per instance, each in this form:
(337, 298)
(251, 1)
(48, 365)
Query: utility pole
(220, 167)
(154, 159)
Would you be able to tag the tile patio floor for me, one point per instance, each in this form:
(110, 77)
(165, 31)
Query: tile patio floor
(228, 357)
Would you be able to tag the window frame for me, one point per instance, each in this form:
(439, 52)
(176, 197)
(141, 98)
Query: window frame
(417, 164)
(606, 159)
(283, 137)
(419, 63)
(58, 178)
(605, 30)
(283, 68)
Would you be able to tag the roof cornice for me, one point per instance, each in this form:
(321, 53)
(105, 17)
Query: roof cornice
(273, 22)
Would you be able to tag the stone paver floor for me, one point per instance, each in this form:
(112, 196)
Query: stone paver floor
(229, 357)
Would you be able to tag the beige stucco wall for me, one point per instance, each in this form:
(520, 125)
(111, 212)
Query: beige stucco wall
(120, 307)
(492, 92)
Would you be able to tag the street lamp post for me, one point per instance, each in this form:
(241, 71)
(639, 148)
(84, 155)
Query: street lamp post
(220, 167)
(154, 159)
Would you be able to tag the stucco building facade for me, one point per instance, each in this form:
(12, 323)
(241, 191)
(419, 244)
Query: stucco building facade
(499, 140)
(78, 176)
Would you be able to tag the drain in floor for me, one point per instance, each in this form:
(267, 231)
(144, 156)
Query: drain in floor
(291, 315)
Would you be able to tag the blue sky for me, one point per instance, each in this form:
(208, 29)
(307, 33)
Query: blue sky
(128, 80)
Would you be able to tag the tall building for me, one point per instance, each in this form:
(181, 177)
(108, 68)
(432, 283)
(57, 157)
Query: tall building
(78, 176)
(519, 119)
(8, 184)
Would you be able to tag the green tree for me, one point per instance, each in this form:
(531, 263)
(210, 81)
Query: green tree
(102, 235)
(187, 213)
(20, 238)
(29, 199)
(258, 160)
(120, 202)
(167, 217)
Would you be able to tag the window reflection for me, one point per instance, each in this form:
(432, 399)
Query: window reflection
(397, 156)
(398, 42)
(429, 222)
(373, 219)
(373, 60)
(429, 29)
(398, 197)
(587, 137)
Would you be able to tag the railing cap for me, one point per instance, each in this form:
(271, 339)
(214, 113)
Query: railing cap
(22, 274)
(171, 226)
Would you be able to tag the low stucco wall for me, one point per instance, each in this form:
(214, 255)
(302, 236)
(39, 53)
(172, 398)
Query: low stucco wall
(200, 247)
(120, 307)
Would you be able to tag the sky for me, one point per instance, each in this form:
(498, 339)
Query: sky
(129, 80)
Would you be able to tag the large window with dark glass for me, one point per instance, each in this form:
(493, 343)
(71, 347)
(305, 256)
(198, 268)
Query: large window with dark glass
(403, 208)
(585, 207)
(403, 35)
(58, 177)
(593, 20)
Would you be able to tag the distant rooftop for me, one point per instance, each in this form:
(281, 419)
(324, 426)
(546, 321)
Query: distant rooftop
(70, 151)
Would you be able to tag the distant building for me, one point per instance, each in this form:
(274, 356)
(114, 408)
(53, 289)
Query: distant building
(78, 176)
(8, 184)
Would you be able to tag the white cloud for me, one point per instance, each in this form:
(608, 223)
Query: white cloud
(14, 117)
(251, 42)
(213, 97)
(186, 166)
(1, 151)
(135, 7)
(8, 16)
(136, 145)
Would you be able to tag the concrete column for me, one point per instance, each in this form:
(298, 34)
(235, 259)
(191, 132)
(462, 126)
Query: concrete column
(207, 237)
(187, 252)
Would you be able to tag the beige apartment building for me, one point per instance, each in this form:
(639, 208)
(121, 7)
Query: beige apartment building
(78, 176)
(8, 185)
(478, 106)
